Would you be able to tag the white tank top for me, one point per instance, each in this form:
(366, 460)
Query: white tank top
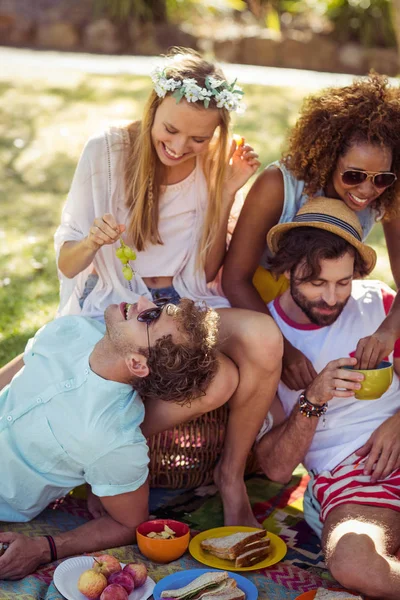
(175, 226)
(348, 422)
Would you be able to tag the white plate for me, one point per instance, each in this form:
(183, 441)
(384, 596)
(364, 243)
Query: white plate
(68, 572)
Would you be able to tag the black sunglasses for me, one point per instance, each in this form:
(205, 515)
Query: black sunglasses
(379, 180)
(150, 315)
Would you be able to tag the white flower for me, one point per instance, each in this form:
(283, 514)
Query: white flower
(204, 93)
(214, 82)
(160, 90)
(189, 82)
(156, 74)
(192, 95)
(173, 84)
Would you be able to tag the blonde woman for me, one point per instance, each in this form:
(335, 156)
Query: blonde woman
(167, 185)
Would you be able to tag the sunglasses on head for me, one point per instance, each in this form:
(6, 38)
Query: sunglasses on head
(150, 315)
(379, 180)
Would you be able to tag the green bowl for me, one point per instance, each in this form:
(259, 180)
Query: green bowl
(376, 381)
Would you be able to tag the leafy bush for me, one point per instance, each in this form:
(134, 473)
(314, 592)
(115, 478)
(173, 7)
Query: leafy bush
(369, 22)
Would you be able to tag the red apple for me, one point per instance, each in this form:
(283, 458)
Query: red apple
(114, 592)
(91, 583)
(138, 572)
(123, 578)
(106, 564)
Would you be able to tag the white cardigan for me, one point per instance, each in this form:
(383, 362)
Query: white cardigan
(98, 188)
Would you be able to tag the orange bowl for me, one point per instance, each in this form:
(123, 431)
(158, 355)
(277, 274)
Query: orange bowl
(159, 550)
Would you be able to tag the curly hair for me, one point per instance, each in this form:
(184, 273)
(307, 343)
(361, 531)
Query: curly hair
(367, 111)
(307, 246)
(181, 371)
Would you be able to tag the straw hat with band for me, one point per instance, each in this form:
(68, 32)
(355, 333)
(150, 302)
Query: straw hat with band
(332, 215)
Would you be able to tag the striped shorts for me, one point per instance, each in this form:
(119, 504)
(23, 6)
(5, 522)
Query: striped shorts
(347, 484)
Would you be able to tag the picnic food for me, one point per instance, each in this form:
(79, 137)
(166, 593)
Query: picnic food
(209, 586)
(138, 572)
(245, 548)
(114, 592)
(166, 534)
(323, 594)
(124, 579)
(91, 583)
(106, 564)
(108, 581)
(125, 253)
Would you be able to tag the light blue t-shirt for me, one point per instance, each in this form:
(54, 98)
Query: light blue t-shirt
(62, 425)
(294, 198)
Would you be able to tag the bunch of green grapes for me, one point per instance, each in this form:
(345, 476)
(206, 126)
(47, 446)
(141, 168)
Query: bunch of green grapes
(125, 254)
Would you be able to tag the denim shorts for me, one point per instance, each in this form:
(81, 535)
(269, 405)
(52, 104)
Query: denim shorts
(156, 293)
(166, 292)
(311, 508)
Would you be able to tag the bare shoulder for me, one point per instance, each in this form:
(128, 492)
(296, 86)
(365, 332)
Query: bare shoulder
(267, 192)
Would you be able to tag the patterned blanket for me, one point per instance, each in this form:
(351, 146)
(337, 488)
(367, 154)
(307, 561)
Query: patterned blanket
(277, 507)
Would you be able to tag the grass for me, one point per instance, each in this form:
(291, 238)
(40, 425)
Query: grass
(45, 119)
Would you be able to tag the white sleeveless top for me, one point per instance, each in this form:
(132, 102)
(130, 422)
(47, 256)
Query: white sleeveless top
(348, 422)
(177, 216)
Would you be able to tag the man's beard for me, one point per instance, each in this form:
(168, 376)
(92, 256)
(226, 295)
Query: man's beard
(310, 309)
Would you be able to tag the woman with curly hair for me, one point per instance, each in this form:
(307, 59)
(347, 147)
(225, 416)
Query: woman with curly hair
(345, 145)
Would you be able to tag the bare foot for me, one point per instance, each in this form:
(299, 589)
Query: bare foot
(236, 503)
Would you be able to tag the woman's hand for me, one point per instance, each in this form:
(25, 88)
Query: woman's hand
(105, 230)
(297, 371)
(334, 381)
(243, 163)
(371, 350)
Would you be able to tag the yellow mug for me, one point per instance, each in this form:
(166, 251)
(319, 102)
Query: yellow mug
(376, 381)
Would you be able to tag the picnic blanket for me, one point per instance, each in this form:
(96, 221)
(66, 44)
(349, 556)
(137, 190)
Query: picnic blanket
(277, 507)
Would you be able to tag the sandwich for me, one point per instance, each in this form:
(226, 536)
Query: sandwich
(323, 594)
(215, 585)
(245, 548)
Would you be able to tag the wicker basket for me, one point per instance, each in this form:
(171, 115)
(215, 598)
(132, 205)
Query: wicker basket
(185, 456)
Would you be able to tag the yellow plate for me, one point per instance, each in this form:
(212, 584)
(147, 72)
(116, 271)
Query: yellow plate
(278, 549)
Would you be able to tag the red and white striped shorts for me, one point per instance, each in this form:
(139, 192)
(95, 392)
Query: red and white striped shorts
(347, 484)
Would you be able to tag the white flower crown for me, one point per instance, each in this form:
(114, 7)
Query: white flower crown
(225, 95)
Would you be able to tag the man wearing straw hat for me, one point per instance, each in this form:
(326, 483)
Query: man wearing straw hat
(350, 447)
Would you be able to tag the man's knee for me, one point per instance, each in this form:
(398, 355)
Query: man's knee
(352, 556)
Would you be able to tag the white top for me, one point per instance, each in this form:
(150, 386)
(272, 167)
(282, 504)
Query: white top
(349, 422)
(177, 220)
(98, 188)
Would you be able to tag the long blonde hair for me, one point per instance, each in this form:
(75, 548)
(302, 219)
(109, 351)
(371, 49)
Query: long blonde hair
(144, 171)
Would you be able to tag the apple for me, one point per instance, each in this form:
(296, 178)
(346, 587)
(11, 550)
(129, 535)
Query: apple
(114, 592)
(138, 572)
(106, 564)
(123, 578)
(91, 583)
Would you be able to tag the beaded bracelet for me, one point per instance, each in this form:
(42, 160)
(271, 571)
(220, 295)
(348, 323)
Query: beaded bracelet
(308, 409)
